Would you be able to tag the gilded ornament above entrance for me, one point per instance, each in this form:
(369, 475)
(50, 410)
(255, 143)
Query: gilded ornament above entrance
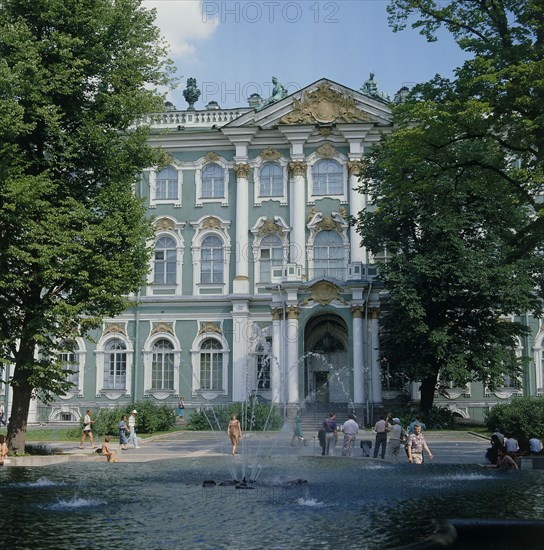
(324, 106)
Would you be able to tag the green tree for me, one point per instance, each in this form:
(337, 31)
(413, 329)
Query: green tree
(455, 199)
(75, 75)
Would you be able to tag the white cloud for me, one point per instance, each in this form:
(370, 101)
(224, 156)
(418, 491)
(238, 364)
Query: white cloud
(183, 23)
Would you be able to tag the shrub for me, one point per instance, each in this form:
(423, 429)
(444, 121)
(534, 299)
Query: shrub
(437, 418)
(152, 417)
(253, 416)
(523, 416)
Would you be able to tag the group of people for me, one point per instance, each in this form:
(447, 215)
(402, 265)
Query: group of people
(127, 434)
(504, 449)
(411, 440)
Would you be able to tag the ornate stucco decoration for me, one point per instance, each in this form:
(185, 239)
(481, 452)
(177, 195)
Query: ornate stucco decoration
(325, 131)
(328, 224)
(312, 214)
(211, 223)
(326, 151)
(342, 211)
(241, 170)
(164, 224)
(355, 167)
(115, 328)
(324, 106)
(297, 168)
(270, 154)
(324, 292)
(208, 327)
(163, 327)
(212, 157)
(269, 227)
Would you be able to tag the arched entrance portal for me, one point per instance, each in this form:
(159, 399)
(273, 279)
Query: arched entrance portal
(327, 373)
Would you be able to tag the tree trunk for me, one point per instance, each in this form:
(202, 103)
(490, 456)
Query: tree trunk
(22, 393)
(428, 387)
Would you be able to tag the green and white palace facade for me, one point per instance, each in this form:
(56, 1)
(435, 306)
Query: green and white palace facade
(259, 286)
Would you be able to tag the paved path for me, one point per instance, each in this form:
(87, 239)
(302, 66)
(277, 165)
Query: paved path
(447, 447)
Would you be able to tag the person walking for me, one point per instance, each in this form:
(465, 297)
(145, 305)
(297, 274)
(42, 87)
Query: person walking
(234, 431)
(87, 429)
(396, 435)
(132, 429)
(331, 433)
(123, 430)
(416, 444)
(350, 429)
(181, 408)
(297, 431)
(2, 415)
(380, 428)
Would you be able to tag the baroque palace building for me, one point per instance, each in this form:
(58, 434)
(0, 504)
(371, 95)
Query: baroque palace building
(259, 286)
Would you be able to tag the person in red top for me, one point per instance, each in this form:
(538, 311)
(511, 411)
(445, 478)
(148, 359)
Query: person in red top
(415, 446)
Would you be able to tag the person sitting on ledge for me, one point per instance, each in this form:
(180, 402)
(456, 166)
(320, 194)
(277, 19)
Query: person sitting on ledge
(504, 461)
(107, 452)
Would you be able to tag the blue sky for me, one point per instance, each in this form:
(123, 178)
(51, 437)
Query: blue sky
(234, 47)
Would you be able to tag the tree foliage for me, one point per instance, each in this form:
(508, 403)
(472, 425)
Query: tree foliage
(456, 198)
(75, 75)
(524, 416)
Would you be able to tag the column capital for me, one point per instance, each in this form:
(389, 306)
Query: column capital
(277, 313)
(357, 311)
(374, 312)
(297, 167)
(292, 312)
(241, 170)
(355, 167)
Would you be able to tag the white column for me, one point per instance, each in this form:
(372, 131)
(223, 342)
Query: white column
(357, 344)
(356, 204)
(297, 209)
(240, 326)
(275, 365)
(292, 355)
(241, 279)
(375, 364)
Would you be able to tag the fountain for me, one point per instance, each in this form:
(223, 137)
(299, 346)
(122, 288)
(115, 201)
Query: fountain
(268, 496)
(165, 504)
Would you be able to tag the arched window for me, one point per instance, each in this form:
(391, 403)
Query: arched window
(211, 365)
(271, 180)
(271, 255)
(213, 181)
(327, 178)
(166, 187)
(162, 366)
(328, 255)
(165, 261)
(115, 365)
(211, 261)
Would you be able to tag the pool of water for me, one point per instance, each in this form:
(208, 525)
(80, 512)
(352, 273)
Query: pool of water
(163, 504)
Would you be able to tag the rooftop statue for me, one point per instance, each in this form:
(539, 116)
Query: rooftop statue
(191, 93)
(278, 92)
(370, 88)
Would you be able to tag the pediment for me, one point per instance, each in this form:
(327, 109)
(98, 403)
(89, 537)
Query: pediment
(322, 103)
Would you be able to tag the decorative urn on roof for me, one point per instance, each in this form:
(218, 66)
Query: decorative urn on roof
(191, 93)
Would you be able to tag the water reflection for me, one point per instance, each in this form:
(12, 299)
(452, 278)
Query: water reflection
(164, 505)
